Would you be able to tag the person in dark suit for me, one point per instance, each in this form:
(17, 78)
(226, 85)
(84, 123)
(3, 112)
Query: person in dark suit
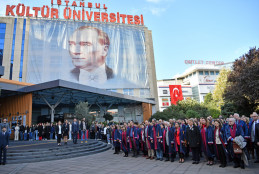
(40, 129)
(75, 129)
(59, 132)
(65, 131)
(4, 143)
(4, 124)
(193, 139)
(21, 132)
(88, 48)
(257, 141)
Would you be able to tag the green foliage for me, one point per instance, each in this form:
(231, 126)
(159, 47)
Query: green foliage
(214, 112)
(208, 98)
(82, 111)
(183, 109)
(108, 116)
(244, 83)
(228, 109)
(211, 104)
(192, 114)
(220, 88)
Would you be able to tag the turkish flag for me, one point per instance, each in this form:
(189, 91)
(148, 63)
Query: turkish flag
(175, 93)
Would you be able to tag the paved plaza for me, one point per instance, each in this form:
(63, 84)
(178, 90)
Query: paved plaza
(107, 162)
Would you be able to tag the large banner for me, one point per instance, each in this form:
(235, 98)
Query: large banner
(108, 56)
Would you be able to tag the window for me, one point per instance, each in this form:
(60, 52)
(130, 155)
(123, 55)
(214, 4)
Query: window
(22, 50)
(212, 73)
(165, 92)
(2, 38)
(217, 72)
(190, 75)
(194, 73)
(200, 72)
(13, 45)
(206, 72)
(112, 90)
(128, 91)
(144, 93)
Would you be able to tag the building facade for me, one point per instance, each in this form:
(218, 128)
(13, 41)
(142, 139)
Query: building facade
(14, 63)
(196, 82)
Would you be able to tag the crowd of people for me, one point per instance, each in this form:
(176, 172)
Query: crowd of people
(225, 140)
(78, 129)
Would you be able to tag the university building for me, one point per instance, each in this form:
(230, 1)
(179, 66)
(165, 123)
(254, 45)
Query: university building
(34, 90)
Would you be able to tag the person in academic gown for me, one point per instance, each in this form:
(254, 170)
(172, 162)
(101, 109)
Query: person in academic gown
(179, 142)
(220, 143)
(233, 130)
(193, 139)
(123, 141)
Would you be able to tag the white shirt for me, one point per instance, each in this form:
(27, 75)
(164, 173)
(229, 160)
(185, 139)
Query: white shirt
(217, 137)
(93, 78)
(70, 127)
(59, 129)
(104, 130)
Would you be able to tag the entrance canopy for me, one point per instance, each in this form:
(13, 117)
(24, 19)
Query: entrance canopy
(69, 92)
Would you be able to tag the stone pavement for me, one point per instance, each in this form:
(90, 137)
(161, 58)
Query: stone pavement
(107, 162)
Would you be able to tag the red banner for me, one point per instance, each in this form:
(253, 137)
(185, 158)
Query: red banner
(175, 93)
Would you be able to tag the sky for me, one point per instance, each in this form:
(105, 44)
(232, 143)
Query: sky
(209, 30)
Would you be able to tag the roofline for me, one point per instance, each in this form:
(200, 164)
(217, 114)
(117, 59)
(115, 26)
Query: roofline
(80, 87)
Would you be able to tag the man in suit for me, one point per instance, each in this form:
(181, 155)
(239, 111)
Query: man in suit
(4, 142)
(4, 124)
(75, 129)
(88, 48)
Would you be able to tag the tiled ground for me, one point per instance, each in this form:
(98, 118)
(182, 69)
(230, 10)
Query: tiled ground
(107, 162)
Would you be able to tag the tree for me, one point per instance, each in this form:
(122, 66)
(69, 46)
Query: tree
(208, 98)
(220, 88)
(228, 109)
(82, 111)
(183, 109)
(108, 116)
(192, 114)
(244, 83)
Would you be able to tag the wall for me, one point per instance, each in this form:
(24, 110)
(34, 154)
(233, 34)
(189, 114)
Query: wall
(10, 106)
(147, 111)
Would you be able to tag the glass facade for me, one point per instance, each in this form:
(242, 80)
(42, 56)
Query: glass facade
(144, 93)
(13, 45)
(112, 90)
(195, 93)
(128, 91)
(22, 50)
(2, 38)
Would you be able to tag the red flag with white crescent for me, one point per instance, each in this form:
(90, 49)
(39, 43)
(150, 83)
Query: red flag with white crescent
(175, 93)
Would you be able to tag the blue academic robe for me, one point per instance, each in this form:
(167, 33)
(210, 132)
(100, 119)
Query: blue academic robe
(117, 136)
(243, 125)
(239, 132)
(223, 140)
(182, 140)
(209, 142)
(151, 137)
(159, 134)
